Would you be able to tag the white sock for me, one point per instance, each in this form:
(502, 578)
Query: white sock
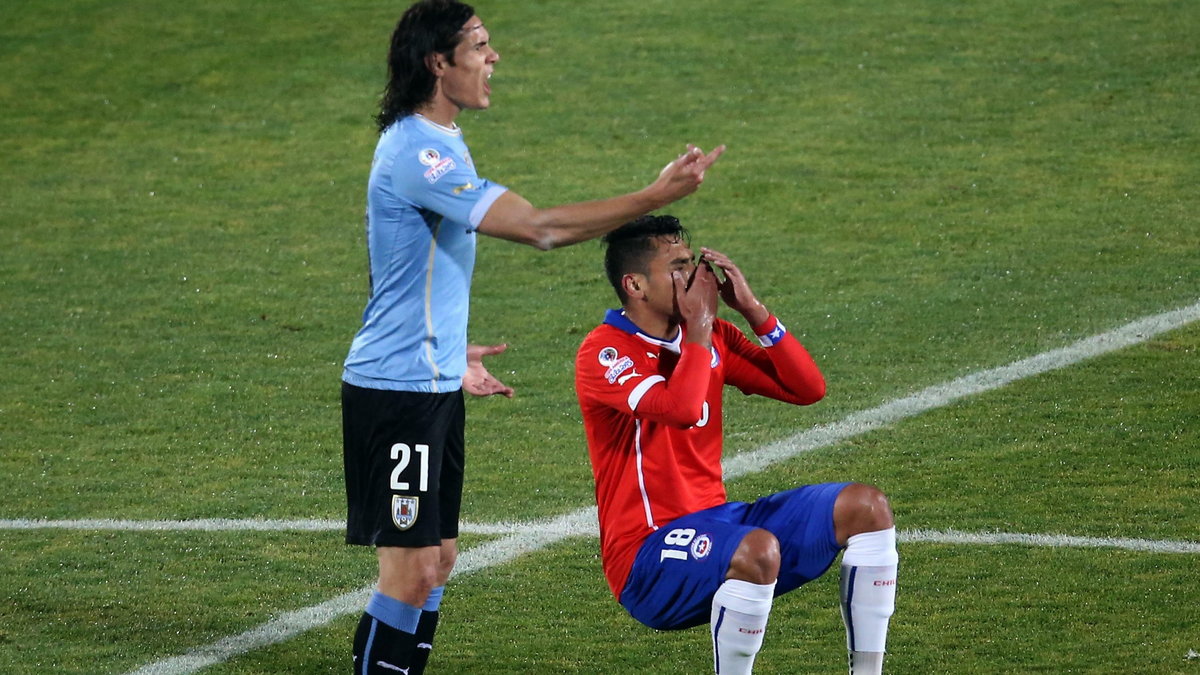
(868, 590)
(739, 620)
(866, 662)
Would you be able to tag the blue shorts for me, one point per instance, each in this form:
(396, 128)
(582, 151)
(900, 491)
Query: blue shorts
(681, 565)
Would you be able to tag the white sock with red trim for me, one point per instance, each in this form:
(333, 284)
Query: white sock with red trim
(739, 620)
(868, 590)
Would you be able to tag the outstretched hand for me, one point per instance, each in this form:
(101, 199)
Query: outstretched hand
(735, 290)
(683, 176)
(477, 380)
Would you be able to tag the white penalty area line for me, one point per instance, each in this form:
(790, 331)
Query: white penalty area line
(536, 536)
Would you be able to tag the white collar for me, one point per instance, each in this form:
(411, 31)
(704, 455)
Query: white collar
(675, 344)
(453, 130)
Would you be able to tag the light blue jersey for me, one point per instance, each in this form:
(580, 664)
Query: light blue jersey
(424, 202)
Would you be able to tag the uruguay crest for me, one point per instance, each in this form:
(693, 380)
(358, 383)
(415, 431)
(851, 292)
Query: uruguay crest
(404, 511)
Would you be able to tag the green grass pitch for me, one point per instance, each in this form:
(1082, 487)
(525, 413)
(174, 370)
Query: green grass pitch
(920, 189)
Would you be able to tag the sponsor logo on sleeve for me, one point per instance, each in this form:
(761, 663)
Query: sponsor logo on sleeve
(438, 166)
(435, 172)
(614, 371)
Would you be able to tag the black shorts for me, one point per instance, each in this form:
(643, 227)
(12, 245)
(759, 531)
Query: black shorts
(403, 454)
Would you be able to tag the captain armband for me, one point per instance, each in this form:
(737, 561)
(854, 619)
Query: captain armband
(771, 332)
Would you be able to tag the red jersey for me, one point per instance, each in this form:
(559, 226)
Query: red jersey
(652, 414)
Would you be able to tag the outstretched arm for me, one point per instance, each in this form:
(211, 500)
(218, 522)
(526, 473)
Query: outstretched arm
(477, 380)
(513, 218)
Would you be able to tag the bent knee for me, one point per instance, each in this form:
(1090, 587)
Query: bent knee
(869, 502)
(756, 559)
(861, 508)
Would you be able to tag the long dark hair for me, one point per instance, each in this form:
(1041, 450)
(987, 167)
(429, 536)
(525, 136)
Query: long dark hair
(428, 27)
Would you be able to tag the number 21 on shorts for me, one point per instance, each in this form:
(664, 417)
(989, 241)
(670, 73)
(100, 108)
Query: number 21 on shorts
(403, 453)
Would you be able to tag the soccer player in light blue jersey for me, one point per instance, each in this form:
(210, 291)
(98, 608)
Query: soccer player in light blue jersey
(402, 404)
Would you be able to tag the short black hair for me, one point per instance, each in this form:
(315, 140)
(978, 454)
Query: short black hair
(630, 247)
(427, 27)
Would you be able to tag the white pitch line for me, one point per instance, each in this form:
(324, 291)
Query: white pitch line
(546, 533)
(944, 394)
(1046, 540)
(937, 396)
(200, 524)
(582, 521)
(528, 537)
(222, 525)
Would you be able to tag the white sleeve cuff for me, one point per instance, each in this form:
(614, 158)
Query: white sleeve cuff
(635, 396)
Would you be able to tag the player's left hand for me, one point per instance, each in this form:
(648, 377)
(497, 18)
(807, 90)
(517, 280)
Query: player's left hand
(477, 381)
(735, 290)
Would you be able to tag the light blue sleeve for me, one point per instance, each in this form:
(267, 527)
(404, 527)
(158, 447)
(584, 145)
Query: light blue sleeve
(438, 179)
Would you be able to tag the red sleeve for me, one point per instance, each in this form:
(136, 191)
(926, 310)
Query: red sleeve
(622, 377)
(783, 371)
(679, 401)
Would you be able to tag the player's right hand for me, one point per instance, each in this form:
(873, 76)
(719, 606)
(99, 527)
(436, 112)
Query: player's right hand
(684, 175)
(697, 302)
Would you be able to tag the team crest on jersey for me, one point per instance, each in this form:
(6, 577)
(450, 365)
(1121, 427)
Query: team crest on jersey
(404, 511)
(715, 359)
(608, 356)
(701, 547)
